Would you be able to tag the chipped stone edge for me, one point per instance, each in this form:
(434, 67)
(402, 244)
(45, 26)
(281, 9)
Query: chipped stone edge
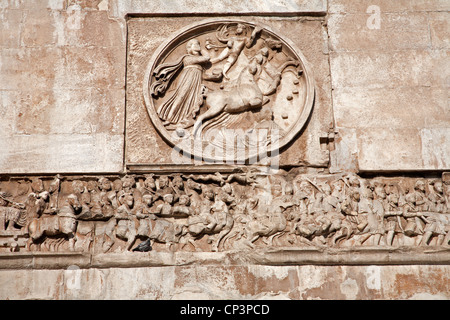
(268, 257)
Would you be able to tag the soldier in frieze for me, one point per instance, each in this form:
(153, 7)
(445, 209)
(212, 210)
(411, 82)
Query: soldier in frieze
(269, 219)
(202, 221)
(304, 196)
(37, 185)
(226, 194)
(165, 209)
(143, 215)
(183, 207)
(53, 190)
(420, 197)
(338, 190)
(393, 213)
(107, 197)
(412, 212)
(149, 184)
(42, 204)
(371, 216)
(31, 208)
(436, 196)
(193, 190)
(95, 198)
(330, 202)
(436, 225)
(12, 214)
(178, 187)
(84, 197)
(126, 226)
(349, 223)
(163, 187)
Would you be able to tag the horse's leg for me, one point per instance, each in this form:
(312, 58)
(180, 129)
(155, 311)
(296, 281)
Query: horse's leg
(338, 235)
(279, 235)
(426, 238)
(216, 106)
(364, 238)
(227, 237)
(220, 236)
(109, 233)
(131, 240)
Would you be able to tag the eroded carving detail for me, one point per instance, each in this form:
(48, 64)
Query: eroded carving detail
(217, 212)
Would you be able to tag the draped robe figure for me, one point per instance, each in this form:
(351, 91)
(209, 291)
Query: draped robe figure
(187, 97)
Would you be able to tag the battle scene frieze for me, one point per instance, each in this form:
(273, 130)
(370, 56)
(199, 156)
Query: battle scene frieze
(221, 212)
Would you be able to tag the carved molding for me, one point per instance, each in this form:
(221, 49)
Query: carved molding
(269, 257)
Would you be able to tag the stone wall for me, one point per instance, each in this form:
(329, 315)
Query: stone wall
(71, 103)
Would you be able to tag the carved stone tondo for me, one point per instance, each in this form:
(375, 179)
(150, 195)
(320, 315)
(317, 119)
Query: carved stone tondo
(228, 90)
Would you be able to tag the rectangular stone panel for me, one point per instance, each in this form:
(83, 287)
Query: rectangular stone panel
(403, 149)
(47, 153)
(379, 68)
(145, 146)
(62, 77)
(387, 108)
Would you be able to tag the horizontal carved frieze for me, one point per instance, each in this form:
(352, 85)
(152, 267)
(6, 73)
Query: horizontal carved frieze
(221, 212)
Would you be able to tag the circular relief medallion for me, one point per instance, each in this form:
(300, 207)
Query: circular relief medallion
(228, 90)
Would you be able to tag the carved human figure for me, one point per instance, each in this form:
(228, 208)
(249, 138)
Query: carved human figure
(372, 211)
(54, 192)
(150, 184)
(126, 221)
(185, 101)
(183, 207)
(80, 190)
(393, 212)
(203, 221)
(107, 197)
(435, 225)
(163, 187)
(178, 187)
(436, 196)
(245, 95)
(42, 204)
(11, 214)
(95, 206)
(330, 202)
(235, 44)
(165, 209)
(348, 224)
(412, 212)
(305, 198)
(338, 192)
(63, 223)
(269, 220)
(144, 214)
(420, 197)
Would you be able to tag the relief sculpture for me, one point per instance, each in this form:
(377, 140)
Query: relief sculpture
(220, 212)
(215, 94)
(224, 90)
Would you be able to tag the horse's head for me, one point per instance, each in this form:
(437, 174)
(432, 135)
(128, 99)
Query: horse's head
(73, 201)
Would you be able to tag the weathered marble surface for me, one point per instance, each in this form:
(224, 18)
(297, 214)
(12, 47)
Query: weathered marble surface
(236, 282)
